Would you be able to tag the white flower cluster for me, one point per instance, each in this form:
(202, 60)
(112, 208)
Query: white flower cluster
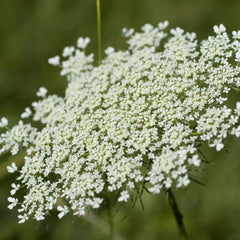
(135, 120)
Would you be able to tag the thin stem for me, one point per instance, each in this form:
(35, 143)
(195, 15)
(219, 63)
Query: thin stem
(110, 218)
(99, 223)
(99, 37)
(178, 216)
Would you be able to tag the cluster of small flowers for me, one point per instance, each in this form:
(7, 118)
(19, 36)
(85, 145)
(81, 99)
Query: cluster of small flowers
(136, 119)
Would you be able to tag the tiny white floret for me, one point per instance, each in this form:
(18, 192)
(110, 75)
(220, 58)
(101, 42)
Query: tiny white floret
(27, 113)
(63, 211)
(13, 202)
(68, 51)
(42, 92)
(124, 195)
(15, 188)
(3, 122)
(127, 32)
(83, 42)
(109, 50)
(54, 60)
(12, 168)
(219, 29)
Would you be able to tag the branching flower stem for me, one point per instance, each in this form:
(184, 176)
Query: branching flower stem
(99, 37)
(177, 214)
(110, 218)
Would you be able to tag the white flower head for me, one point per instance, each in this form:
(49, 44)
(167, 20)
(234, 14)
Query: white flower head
(134, 121)
(55, 61)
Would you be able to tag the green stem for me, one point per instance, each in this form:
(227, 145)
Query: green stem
(196, 133)
(178, 216)
(110, 218)
(99, 37)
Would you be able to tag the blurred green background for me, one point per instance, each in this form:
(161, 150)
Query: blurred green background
(31, 31)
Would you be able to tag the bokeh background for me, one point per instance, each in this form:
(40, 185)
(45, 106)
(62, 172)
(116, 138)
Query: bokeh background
(31, 31)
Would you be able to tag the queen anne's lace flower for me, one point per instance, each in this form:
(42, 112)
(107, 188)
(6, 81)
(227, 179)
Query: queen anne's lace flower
(134, 121)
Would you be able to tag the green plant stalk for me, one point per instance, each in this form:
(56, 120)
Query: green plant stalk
(99, 37)
(110, 217)
(178, 216)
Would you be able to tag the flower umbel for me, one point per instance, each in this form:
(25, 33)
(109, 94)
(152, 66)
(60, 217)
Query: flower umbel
(137, 119)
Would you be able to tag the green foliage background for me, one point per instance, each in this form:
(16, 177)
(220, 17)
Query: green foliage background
(31, 31)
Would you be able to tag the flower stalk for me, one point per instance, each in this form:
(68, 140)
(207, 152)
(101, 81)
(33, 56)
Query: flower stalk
(178, 215)
(99, 37)
(110, 220)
